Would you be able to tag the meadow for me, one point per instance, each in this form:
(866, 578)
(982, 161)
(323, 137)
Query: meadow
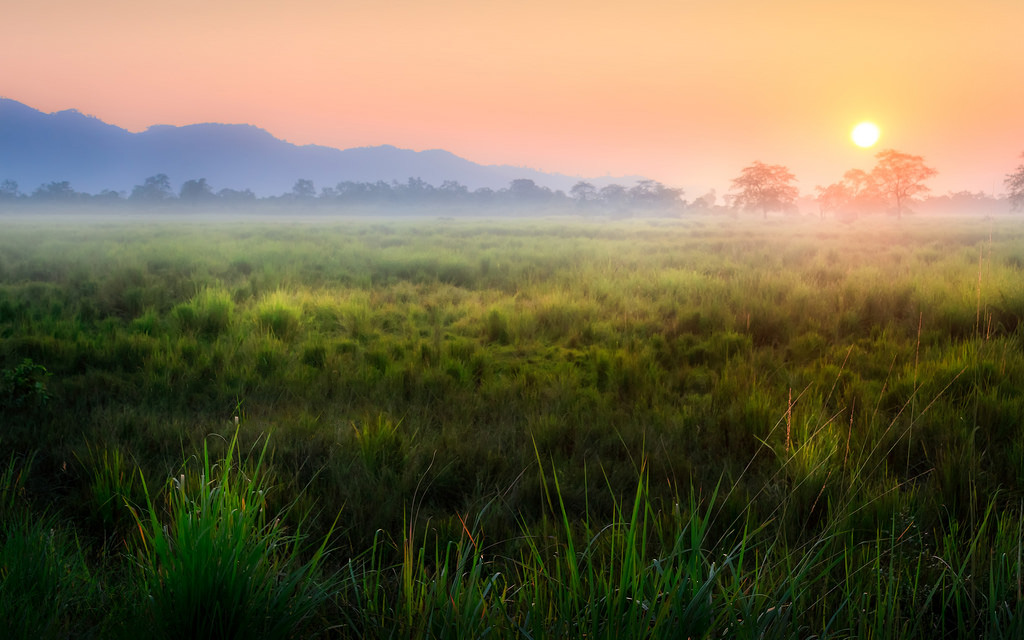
(702, 426)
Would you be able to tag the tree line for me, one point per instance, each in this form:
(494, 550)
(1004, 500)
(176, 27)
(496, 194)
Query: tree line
(896, 180)
(157, 190)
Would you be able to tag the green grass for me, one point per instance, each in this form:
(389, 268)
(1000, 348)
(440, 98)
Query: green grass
(219, 564)
(546, 428)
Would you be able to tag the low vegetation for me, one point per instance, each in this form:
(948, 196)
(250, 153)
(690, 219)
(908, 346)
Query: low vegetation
(696, 427)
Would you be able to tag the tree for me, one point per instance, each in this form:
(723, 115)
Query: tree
(1015, 187)
(526, 190)
(155, 189)
(900, 177)
(303, 189)
(414, 190)
(9, 190)
(108, 195)
(767, 187)
(832, 199)
(453, 190)
(234, 195)
(484, 195)
(704, 203)
(56, 191)
(196, 191)
(861, 188)
(653, 194)
(614, 196)
(856, 193)
(583, 193)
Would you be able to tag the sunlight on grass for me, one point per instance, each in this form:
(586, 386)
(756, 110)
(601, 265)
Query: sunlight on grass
(555, 428)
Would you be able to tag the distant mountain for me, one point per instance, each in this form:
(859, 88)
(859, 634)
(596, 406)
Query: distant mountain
(37, 148)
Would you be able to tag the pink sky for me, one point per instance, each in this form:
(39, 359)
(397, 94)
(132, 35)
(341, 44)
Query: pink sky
(686, 92)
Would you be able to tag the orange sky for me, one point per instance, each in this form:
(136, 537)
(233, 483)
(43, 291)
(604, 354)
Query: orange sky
(685, 92)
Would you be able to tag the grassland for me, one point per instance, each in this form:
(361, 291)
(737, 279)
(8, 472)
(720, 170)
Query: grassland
(700, 427)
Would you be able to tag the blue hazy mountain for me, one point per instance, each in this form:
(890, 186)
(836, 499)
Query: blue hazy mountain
(37, 148)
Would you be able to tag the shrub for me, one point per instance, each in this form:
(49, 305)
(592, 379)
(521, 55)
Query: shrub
(24, 386)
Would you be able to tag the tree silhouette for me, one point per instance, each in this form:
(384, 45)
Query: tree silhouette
(832, 199)
(526, 190)
(653, 194)
(614, 196)
(1015, 187)
(303, 189)
(453, 187)
(108, 195)
(856, 193)
(9, 190)
(56, 191)
(234, 195)
(414, 190)
(155, 189)
(704, 203)
(583, 193)
(767, 187)
(196, 191)
(900, 176)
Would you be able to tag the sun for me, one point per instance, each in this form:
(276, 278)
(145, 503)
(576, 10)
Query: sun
(865, 134)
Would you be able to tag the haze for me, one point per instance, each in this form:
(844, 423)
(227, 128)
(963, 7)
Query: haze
(686, 93)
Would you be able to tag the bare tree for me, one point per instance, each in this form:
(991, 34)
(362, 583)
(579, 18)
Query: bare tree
(900, 176)
(767, 187)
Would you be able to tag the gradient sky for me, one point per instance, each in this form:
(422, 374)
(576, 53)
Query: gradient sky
(685, 92)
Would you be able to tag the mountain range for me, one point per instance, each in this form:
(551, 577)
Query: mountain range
(38, 148)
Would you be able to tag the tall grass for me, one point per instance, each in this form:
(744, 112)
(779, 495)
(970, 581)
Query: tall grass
(45, 583)
(506, 417)
(46, 589)
(220, 565)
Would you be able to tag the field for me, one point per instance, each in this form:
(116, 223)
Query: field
(535, 428)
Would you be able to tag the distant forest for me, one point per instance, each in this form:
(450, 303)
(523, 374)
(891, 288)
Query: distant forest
(613, 199)
(158, 190)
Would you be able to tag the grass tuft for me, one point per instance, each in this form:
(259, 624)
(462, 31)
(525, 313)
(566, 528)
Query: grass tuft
(214, 563)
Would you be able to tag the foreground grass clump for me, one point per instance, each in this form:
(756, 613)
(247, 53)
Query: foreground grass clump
(210, 560)
(45, 583)
(543, 428)
(220, 566)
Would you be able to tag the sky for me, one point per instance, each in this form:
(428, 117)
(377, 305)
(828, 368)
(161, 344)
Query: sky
(685, 92)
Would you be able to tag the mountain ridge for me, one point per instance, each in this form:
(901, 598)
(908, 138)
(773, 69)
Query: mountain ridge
(37, 148)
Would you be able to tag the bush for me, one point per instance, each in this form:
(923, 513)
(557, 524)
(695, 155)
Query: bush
(24, 386)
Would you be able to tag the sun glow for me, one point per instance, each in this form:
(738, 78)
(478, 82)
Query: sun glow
(865, 134)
